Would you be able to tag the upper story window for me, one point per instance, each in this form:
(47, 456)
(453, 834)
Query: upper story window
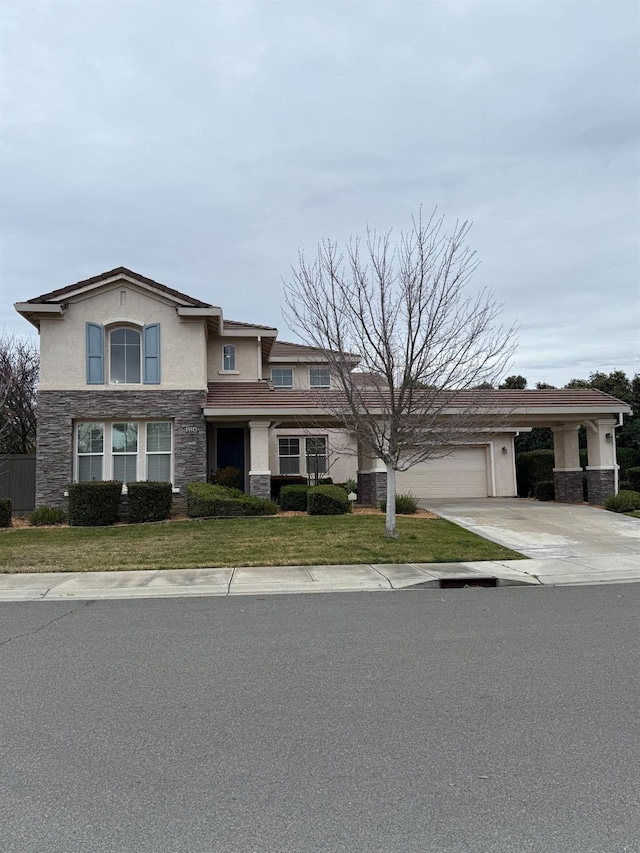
(229, 357)
(319, 377)
(124, 356)
(132, 355)
(282, 377)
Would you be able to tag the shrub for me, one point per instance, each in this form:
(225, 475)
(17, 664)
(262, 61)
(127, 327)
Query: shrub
(149, 501)
(280, 480)
(294, 498)
(325, 481)
(229, 476)
(327, 500)
(94, 504)
(205, 500)
(628, 457)
(633, 476)
(625, 486)
(5, 512)
(545, 490)
(623, 502)
(47, 515)
(405, 505)
(350, 486)
(533, 467)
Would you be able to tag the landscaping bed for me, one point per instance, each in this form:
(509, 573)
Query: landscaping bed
(263, 541)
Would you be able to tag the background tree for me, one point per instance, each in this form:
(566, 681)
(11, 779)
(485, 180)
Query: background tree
(19, 365)
(425, 343)
(518, 383)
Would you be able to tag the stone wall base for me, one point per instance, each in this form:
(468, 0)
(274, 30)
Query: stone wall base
(372, 487)
(601, 485)
(260, 485)
(568, 486)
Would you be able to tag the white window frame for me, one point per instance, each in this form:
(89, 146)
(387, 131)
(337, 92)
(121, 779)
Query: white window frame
(281, 385)
(148, 453)
(313, 384)
(77, 454)
(231, 355)
(282, 456)
(107, 448)
(128, 328)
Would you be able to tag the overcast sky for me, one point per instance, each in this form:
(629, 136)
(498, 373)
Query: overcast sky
(202, 143)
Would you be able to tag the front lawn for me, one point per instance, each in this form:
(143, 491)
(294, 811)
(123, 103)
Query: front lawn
(274, 541)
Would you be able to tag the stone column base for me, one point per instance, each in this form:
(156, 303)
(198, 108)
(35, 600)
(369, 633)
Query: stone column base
(372, 487)
(601, 484)
(260, 485)
(568, 486)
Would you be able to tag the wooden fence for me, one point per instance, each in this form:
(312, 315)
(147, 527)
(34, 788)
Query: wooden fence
(18, 481)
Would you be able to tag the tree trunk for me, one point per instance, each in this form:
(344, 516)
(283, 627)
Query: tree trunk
(390, 527)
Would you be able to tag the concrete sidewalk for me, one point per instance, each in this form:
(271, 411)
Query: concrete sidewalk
(57, 586)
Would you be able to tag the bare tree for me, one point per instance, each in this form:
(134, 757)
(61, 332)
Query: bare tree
(429, 351)
(19, 366)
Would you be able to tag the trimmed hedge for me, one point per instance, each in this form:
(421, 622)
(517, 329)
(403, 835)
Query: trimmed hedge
(149, 501)
(545, 490)
(205, 500)
(280, 480)
(294, 498)
(229, 476)
(405, 505)
(623, 502)
(533, 467)
(627, 457)
(94, 504)
(327, 500)
(47, 515)
(5, 512)
(633, 476)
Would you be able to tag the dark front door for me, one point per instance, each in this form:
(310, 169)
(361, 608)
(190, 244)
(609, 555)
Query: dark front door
(230, 450)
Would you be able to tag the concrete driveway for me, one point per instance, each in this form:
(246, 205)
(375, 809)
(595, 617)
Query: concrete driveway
(567, 543)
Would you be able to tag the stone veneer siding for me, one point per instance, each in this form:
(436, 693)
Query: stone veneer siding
(568, 486)
(600, 484)
(372, 487)
(59, 410)
(260, 485)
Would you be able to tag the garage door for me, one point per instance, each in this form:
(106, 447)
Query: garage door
(462, 474)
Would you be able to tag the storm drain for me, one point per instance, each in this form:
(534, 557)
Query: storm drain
(455, 583)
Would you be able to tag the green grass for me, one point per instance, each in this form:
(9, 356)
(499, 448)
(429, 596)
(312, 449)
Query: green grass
(634, 514)
(274, 541)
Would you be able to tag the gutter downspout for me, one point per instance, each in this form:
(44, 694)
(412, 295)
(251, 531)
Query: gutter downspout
(259, 358)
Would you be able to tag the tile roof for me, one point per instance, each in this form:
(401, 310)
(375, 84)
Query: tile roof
(54, 295)
(262, 395)
(230, 325)
(286, 349)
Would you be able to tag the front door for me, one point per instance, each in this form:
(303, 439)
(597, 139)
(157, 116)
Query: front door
(230, 450)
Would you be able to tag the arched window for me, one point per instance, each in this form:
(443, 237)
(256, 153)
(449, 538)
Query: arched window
(229, 357)
(124, 356)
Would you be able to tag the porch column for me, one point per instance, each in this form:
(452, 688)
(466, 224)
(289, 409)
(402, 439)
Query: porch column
(372, 476)
(602, 470)
(567, 474)
(259, 472)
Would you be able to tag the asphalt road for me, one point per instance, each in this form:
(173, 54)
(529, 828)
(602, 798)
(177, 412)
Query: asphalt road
(459, 720)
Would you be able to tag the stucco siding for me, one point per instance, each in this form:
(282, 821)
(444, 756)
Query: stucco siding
(247, 354)
(63, 342)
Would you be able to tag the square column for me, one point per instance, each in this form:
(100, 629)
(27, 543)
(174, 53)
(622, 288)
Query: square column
(567, 473)
(602, 468)
(372, 477)
(259, 472)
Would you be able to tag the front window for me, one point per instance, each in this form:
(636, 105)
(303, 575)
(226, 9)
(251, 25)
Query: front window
(282, 377)
(124, 448)
(289, 454)
(316, 456)
(124, 352)
(90, 445)
(125, 451)
(159, 452)
(229, 357)
(319, 377)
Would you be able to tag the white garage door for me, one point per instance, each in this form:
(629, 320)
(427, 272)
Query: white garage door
(462, 474)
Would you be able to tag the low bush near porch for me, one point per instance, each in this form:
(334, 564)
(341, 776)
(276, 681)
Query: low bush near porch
(623, 502)
(94, 504)
(149, 501)
(205, 500)
(327, 500)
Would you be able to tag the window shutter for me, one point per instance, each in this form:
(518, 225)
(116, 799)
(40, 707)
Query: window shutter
(151, 354)
(95, 354)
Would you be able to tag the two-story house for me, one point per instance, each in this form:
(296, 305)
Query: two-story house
(140, 381)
